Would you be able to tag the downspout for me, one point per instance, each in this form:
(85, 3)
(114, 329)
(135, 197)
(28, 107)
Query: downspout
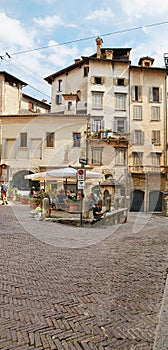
(0, 141)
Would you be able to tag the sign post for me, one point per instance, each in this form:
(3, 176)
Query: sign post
(81, 185)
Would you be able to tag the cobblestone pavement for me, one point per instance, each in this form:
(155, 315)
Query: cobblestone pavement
(102, 293)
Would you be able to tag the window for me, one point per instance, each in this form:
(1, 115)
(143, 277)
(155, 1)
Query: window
(97, 100)
(97, 155)
(23, 139)
(138, 137)
(136, 93)
(137, 158)
(76, 139)
(32, 107)
(155, 111)
(156, 137)
(120, 125)
(85, 71)
(58, 99)
(155, 94)
(120, 100)
(120, 82)
(120, 156)
(69, 105)
(60, 85)
(96, 125)
(50, 139)
(97, 80)
(155, 159)
(137, 113)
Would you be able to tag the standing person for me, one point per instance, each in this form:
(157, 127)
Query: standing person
(4, 191)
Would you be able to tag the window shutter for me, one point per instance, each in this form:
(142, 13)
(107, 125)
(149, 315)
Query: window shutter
(160, 95)
(133, 137)
(115, 81)
(102, 80)
(140, 93)
(91, 125)
(150, 94)
(102, 124)
(133, 93)
(125, 82)
(125, 126)
(115, 125)
(142, 137)
(92, 80)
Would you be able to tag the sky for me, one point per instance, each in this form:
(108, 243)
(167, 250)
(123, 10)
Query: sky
(40, 37)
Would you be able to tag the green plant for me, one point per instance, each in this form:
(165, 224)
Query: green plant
(12, 191)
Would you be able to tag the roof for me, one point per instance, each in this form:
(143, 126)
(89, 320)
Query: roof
(119, 54)
(147, 68)
(45, 104)
(51, 77)
(11, 78)
(145, 58)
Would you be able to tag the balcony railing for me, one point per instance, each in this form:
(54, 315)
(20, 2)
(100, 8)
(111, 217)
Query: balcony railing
(147, 169)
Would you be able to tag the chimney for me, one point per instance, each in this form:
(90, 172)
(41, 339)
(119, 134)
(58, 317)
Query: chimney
(77, 60)
(99, 43)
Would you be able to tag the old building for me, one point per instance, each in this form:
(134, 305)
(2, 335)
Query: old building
(14, 101)
(103, 109)
(33, 143)
(148, 134)
(129, 102)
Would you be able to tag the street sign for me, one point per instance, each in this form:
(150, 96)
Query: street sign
(83, 161)
(81, 174)
(81, 185)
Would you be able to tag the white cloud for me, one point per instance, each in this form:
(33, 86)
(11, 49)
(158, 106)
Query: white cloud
(62, 55)
(100, 15)
(13, 33)
(140, 9)
(49, 22)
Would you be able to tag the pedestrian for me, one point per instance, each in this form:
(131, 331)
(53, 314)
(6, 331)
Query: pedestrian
(4, 192)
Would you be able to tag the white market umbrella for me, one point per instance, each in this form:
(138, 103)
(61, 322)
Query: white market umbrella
(72, 173)
(42, 176)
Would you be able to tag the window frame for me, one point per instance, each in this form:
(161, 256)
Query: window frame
(155, 159)
(76, 139)
(50, 138)
(23, 139)
(58, 99)
(155, 138)
(155, 116)
(137, 158)
(120, 156)
(137, 112)
(120, 102)
(97, 100)
(97, 155)
(138, 137)
(60, 85)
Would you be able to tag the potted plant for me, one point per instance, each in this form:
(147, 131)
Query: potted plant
(75, 204)
(12, 193)
(25, 200)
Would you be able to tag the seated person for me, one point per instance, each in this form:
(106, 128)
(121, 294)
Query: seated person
(62, 200)
(97, 211)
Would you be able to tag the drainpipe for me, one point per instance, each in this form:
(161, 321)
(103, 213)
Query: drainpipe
(0, 141)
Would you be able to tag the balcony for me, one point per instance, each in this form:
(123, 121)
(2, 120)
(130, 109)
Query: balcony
(147, 169)
(109, 137)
